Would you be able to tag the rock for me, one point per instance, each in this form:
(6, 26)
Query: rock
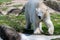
(1, 13)
(56, 39)
(54, 4)
(38, 37)
(15, 11)
(24, 37)
(1, 38)
(8, 33)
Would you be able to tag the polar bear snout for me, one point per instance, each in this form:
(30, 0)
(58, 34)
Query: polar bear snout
(39, 17)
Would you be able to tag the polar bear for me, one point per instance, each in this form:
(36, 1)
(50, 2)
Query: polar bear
(36, 12)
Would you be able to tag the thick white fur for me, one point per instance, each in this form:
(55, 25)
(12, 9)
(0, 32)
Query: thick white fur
(33, 9)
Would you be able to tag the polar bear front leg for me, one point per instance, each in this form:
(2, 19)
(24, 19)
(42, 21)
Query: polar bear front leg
(28, 23)
(49, 24)
(40, 27)
(36, 28)
(37, 31)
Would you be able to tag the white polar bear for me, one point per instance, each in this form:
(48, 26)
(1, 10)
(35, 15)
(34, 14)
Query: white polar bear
(36, 12)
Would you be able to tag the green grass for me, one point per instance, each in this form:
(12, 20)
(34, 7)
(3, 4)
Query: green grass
(56, 21)
(4, 8)
(5, 0)
(18, 22)
(17, 5)
(2, 1)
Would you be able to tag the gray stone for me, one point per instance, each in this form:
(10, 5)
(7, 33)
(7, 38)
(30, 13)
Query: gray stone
(38, 37)
(54, 4)
(8, 33)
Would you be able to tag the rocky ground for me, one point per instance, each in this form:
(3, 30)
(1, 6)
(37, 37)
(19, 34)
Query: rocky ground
(38, 37)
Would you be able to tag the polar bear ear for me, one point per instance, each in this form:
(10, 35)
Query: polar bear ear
(54, 4)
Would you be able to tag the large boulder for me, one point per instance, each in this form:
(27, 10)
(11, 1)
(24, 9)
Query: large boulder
(54, 4)
(1, 13)
(8, 33)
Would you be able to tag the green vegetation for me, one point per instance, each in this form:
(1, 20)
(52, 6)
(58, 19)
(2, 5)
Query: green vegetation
(17, 5)
(18, 22)
(4, 8)
(56, 39)
(56, 21)
(5, 0)
(2, 1)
